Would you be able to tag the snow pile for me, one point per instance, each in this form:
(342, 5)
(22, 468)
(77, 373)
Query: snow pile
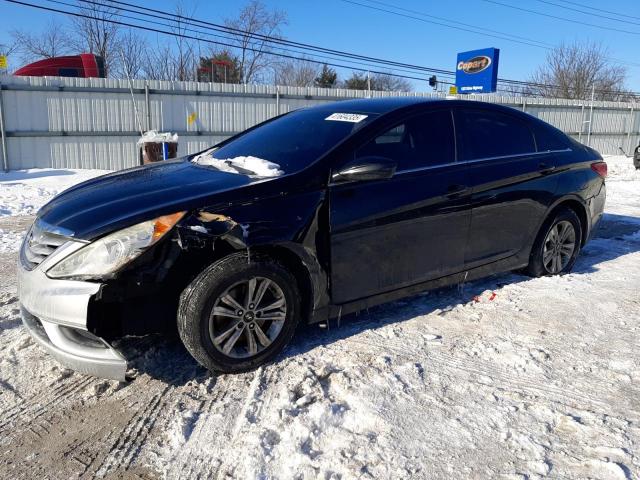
(252, 166)
(23, 192)
(153, 136)
(620, 167)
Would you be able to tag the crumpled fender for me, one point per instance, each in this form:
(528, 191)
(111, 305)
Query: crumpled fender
(290, 221)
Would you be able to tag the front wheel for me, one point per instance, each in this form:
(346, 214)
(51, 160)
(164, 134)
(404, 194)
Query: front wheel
(557, 246)
(239, 313)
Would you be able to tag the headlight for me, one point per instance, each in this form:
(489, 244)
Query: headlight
(112, 252)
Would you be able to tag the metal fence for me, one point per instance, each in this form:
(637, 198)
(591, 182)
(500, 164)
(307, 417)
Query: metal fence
(92, 123)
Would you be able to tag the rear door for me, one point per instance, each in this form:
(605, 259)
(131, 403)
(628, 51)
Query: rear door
(387, 234)
(512, 184)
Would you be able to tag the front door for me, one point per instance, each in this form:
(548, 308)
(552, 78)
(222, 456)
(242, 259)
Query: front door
(392, 233)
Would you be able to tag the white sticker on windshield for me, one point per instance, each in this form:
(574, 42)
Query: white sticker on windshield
(346, 117)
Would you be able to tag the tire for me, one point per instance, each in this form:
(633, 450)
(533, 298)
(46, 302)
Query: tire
(229, 280)
(561, 219)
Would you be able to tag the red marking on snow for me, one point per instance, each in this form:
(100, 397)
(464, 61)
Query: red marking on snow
(493, 295)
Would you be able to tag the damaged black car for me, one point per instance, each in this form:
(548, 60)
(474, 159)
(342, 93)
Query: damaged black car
(314, 214)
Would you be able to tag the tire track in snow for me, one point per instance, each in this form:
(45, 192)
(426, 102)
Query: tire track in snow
(219, 421)
(124, 451)
(33, 408)
(258, 397)
(209, 433)
(500, 377)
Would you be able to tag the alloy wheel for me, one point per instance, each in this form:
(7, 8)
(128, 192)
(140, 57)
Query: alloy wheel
(247, 317)
(559, 246)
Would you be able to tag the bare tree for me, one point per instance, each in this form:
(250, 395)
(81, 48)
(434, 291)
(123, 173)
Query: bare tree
(53, 41)
(133, 51)
(96, 34)
(390, 83)
(158, 63)
(573, 70)
(9, 48)
(378, 81)
(184, 58)
(296, 73)
(254, 51)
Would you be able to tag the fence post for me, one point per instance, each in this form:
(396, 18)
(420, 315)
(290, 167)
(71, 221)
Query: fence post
(582, 122)
(147, 103)
(277, 100)
(5, 158)
(629, 130)
(593, 92)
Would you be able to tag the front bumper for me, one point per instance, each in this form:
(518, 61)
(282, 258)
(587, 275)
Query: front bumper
(77, 350)
(55, 314)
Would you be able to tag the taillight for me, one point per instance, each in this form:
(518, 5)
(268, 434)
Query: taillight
(600, 168)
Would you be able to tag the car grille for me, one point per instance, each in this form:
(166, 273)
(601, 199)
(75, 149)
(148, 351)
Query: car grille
(39, 243)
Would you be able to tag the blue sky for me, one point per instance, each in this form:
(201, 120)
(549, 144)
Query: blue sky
(345, 26)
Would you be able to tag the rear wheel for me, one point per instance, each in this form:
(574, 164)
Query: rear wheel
(557, 245)
(238, 314)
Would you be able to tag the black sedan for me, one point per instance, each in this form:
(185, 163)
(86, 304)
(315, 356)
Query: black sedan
(313, 214)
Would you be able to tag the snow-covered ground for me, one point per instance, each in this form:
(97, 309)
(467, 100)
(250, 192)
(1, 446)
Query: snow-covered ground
(23, 192)
(508, 377)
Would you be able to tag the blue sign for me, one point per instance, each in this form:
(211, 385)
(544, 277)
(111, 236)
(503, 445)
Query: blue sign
(477, 71)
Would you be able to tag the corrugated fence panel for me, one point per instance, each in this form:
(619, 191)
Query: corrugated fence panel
(93, 123)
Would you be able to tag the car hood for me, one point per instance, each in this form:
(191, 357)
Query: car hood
(117, 200)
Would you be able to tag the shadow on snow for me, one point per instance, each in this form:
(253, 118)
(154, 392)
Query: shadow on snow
(166, 358)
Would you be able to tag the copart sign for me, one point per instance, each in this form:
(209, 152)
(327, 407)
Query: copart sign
(477, 71)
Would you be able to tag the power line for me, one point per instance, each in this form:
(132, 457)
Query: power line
(176, 34)
(564, 19)
(338, 52)
(500, 37)
(423, 14)
(271, 39)
(543, 45)
(318, 48)
(164, 32)
(599, 9)
(599, 15)
(199, 31)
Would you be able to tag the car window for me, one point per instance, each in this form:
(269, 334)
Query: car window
(289, 143)
(421, 141)
(549, 138)
(486, 134)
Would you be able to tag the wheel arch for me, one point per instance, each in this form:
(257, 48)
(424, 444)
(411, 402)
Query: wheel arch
(303, 265)
(309, 280)
(578, 206)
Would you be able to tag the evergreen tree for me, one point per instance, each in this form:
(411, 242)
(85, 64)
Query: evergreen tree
(328, 77)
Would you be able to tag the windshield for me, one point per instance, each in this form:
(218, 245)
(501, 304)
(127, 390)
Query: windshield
(285, 145)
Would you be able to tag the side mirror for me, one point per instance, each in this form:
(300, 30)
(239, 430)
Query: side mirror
(365, 168)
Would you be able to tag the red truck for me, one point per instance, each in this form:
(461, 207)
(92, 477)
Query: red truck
(84, 65)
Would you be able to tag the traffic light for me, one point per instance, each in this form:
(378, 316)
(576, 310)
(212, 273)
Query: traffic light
(433, 81)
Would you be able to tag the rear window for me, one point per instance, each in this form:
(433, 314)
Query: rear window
(486, 134)
(550, 138)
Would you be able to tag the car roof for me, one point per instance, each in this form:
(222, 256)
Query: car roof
(374, 105)
(386, 105)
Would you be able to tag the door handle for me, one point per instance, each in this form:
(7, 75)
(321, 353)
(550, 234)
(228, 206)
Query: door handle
(546, 169)
(454, 191)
